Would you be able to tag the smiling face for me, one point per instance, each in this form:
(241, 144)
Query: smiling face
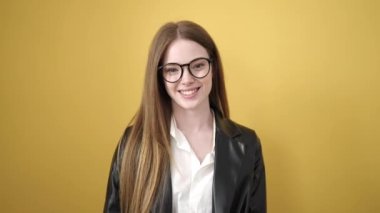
(188, 93)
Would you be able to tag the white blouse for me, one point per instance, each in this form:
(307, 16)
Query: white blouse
(191, 180)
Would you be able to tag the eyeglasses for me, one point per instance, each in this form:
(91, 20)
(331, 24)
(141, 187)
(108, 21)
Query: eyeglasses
(198, 68)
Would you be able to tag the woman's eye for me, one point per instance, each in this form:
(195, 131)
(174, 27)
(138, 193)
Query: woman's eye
(171, 70)
(198, 66)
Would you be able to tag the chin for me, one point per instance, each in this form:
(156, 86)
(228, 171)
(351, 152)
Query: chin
(187, 106)
(190, 105)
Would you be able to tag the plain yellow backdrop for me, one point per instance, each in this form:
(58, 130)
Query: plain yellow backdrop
(304, 74)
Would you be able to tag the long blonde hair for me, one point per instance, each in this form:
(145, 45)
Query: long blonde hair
(146, 157)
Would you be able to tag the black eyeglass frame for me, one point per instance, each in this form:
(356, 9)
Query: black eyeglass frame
(188, 68)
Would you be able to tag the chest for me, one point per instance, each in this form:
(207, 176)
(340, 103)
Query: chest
(200, 143)
(191, 181)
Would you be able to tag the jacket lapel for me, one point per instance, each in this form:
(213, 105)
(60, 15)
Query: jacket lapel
(229, 153)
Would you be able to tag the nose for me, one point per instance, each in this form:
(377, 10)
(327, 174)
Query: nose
(187, 78)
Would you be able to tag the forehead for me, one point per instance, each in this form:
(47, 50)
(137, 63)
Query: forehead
(183, 51)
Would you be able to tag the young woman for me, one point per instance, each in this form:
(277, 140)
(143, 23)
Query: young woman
(182, 153)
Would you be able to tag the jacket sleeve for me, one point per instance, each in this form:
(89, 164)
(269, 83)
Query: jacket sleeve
(258, 191)
(112, 203)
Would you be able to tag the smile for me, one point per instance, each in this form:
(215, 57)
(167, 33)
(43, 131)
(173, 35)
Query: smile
(189, 92)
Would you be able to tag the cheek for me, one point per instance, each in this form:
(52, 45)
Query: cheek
(170, 88)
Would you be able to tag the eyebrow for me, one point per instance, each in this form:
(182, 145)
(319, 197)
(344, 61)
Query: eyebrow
(208, 57)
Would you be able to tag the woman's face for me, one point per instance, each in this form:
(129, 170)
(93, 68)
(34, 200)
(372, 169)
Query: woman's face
(188, 93)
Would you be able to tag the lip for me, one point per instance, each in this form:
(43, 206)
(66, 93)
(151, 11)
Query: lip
(189, 92)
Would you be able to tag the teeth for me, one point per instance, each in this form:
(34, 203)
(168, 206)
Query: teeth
(188, 92)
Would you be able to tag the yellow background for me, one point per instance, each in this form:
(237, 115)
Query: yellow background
(303, 74)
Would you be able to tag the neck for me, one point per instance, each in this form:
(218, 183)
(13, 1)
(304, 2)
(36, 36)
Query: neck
(193, 120)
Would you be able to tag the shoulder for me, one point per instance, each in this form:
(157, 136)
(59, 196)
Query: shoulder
(121, 145)
(245, 131)
(240, 134)
(235, 130)
(124, 137)
(248, 136)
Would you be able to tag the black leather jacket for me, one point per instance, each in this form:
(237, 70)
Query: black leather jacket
(239, 173)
